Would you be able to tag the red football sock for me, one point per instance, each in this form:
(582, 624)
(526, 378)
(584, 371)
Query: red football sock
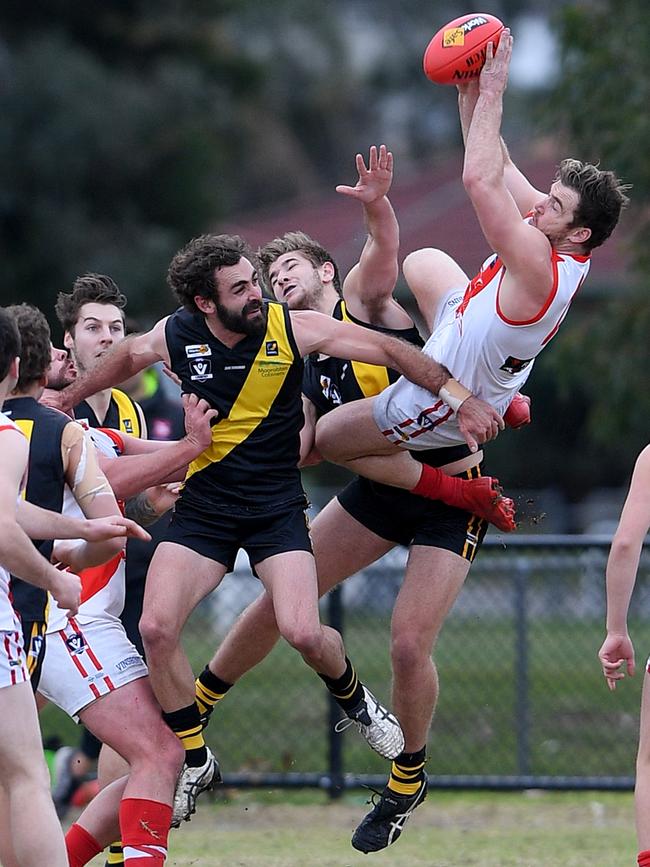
(434, 484)
(643, 858)
(82, 846)
(481, 496)
(144, 825)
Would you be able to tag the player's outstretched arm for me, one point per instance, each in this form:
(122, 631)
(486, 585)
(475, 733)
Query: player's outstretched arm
(317, 333)
(124, 360)
(368, 287)
(148, 462)
(622, 566)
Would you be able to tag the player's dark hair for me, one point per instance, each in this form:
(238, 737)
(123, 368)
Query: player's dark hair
(97, 288)
(36, 350)
(193, 269)
(9, 341)
(602, 198)
(295, 242)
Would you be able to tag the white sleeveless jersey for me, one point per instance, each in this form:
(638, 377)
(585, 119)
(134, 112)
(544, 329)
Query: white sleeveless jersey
(9, 621)
(102, 587)
(491, 355)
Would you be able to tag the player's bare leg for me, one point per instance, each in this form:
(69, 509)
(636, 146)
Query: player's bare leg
(432, 582)
(291, 580)
(255, 632)
(368, 453)
(35, 828)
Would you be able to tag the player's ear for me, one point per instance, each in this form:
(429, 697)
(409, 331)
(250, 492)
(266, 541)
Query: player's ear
(326, 271)
(580, 235)
(68, 340)
(205, 305)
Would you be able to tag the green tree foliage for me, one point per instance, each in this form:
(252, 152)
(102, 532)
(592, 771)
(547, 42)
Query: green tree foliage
(602, 103)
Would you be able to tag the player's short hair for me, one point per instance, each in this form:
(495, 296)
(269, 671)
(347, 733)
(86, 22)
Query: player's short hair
(601, 198)
(97, 288)
(35, 342)
(9, 341)
(295, 242)
(192, 271)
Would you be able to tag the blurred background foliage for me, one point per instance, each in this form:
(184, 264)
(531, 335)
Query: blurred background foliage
(129, 127)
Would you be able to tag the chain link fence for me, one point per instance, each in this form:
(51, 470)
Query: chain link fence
(523, 703)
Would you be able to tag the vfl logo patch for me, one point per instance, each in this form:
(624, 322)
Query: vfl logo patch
(201, 370)
(76, 643)
(515, 365)
(272, 347)
(128, 427)
(197, 350)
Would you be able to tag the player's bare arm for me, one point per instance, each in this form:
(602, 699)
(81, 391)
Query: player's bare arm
(617, 653)
(308, 453)
(317, 333)
(523, 192)
(149, 462)
(16, 550)
(368, 287)
(525, 251)
(124, 360)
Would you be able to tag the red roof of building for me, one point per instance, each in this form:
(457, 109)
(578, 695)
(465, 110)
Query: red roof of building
(433, 211)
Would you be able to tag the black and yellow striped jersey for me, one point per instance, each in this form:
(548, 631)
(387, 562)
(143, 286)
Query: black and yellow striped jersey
(123, 414)
(44, 428)
(329, 382)
(255, 386)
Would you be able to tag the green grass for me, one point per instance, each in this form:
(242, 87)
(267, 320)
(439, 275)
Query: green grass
(449, 830)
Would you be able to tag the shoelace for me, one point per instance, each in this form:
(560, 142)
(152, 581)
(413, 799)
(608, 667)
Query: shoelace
(345, 723)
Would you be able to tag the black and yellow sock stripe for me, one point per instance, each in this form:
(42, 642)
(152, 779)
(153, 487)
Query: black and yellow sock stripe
(186, 725)
(347, 690)
(209, 689)
(115, 854)
(407, 773)
(476, 527)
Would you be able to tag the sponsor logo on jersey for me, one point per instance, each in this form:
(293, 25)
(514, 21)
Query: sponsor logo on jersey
(123, 664)
(201, 369)
(76, 643)
(515, 365)
(197, 350)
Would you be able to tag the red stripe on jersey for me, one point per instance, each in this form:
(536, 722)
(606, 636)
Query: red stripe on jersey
(96, 578)
(115, 436)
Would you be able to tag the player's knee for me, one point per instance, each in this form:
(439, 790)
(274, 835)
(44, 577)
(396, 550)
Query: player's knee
(408, 652)
(328, 442)
(308, 641)
(156, 633)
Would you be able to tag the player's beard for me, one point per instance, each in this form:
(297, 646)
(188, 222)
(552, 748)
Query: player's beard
(240, 323)
(310, 298)
(61, 377)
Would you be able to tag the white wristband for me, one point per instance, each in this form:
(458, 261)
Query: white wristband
(454, 394)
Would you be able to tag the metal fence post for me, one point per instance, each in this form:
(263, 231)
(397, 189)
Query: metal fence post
(335, 743)
(522, 703)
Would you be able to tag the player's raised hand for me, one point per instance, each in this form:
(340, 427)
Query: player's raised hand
(494, 75)
(375, 179)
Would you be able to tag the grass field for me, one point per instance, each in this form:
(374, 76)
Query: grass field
(531, 829)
